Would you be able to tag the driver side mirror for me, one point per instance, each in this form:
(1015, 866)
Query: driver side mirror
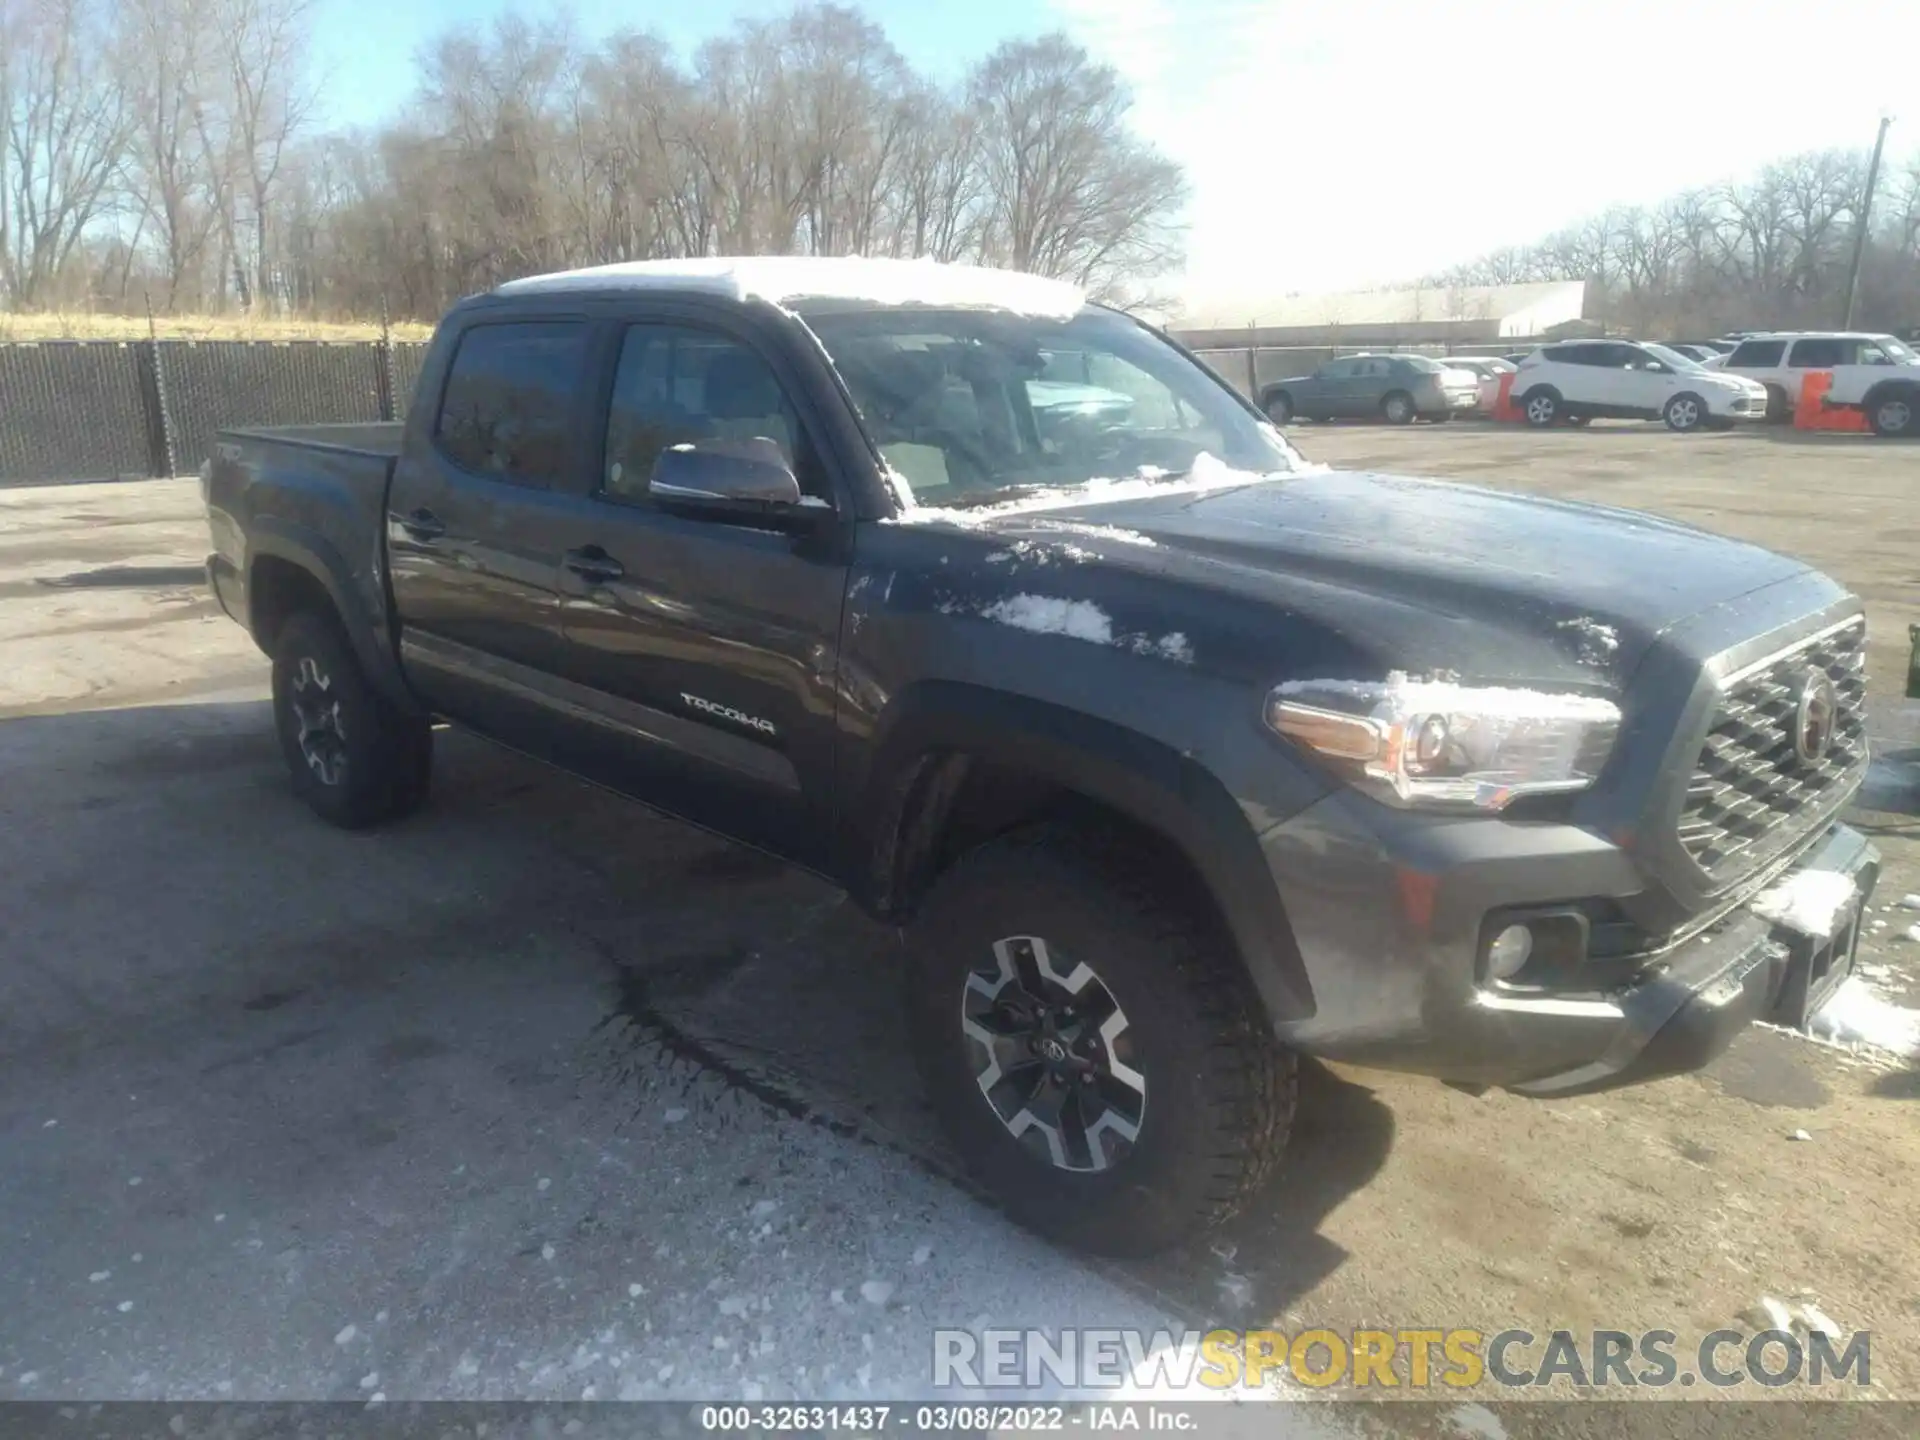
(737, 478)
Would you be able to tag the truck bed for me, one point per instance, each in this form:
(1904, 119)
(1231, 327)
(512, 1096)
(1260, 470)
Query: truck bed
(378, 438)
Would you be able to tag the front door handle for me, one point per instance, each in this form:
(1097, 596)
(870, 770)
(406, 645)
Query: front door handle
(423, 525)
(593, 565)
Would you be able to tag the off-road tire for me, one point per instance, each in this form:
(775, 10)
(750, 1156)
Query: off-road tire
(385, 756)
(1219, 1089)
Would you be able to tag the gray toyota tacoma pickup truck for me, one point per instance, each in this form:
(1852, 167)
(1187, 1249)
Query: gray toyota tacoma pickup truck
(1172, 756)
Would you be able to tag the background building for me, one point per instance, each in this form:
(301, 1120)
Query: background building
(1255, 339)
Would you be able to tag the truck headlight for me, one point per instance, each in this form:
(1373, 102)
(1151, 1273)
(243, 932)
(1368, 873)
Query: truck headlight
(1433, 742)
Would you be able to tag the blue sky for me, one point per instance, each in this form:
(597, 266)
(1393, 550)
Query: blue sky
(1338, 146)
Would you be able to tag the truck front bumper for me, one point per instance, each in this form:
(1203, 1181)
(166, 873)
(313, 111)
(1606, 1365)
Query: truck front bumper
(1392, 953)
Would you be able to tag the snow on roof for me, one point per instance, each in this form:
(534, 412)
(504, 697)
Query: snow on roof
(782, 279)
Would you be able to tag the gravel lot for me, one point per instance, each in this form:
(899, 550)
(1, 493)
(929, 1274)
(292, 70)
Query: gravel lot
(539, 1096)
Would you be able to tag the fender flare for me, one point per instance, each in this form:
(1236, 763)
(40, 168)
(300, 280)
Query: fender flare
(313, 553)
(1134, 774)
(1882, 388)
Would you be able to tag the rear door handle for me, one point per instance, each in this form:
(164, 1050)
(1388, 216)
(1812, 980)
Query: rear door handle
(593, 565)
(423, 525)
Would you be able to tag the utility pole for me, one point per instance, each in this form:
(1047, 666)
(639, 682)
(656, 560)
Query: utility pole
(1866, 212)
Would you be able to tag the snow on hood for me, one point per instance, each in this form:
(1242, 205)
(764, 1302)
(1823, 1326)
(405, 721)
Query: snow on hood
(1207, 473)
(784, 279)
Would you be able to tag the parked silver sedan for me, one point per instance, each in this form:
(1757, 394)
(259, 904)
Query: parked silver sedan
(1396, 388)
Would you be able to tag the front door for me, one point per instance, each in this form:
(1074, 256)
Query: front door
(701, 653)
(1334, 389)
(1642, 383)
(474, 524)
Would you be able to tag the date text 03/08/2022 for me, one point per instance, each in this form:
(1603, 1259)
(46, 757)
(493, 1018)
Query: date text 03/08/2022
(943, 1418)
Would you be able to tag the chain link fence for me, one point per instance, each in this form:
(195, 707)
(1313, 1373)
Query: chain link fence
(103, 410)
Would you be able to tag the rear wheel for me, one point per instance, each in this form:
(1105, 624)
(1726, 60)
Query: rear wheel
(1895, 413)
(1091, 1045)
(355, 758)
(1279, 408)
(1541, 407)
(1398, 408)
(1685, 411)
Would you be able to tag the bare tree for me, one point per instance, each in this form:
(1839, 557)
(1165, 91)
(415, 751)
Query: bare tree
(1071, 192)
(66, 122)
(1770, 250)
(160, 60)
(523, 149)
(252, 98)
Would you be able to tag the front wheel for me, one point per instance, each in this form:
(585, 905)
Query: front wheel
(1279, 409)
(1685, 412)
(354, 757)
(1091, 1045)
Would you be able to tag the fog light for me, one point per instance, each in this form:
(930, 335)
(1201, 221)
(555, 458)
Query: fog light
(1509, 951)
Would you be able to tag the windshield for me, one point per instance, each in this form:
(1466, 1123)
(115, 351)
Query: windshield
(1671, 357)
(971, 407)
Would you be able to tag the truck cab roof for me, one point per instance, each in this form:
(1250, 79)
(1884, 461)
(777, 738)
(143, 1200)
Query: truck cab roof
(786, 279)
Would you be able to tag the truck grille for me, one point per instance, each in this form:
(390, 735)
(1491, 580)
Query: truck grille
(1752, 796)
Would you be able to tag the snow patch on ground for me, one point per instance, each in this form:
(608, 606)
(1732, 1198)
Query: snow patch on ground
(1049, 615)
(1809, 901)
(1475, 1421)
(1856, 1014)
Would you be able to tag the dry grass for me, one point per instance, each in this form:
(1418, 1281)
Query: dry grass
(73, 325)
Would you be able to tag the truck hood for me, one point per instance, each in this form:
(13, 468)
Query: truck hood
(1434, 575)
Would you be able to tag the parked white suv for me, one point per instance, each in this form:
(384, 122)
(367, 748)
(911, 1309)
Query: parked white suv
(1579, 380)
(1874, 373)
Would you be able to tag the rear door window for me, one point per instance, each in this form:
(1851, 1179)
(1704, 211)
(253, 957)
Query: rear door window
(507, 412)
(1756, 354)
(1816, 354)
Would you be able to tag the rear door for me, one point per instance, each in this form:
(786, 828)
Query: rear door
(1757, 359)
(700, 654)
(1373, 378)
(474, 522)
